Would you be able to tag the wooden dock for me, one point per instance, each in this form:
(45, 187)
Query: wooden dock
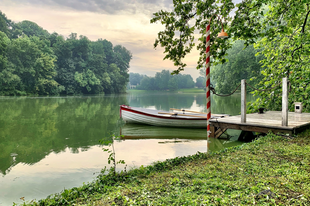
(263, 123)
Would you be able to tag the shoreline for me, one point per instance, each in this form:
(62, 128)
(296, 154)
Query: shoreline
(272, 170)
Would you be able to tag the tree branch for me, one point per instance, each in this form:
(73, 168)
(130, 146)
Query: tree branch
(305, 22)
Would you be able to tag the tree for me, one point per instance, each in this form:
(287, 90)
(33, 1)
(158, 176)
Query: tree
(282, 30)
(4, 24)
(165, 81)
(185, 81)
(180, 25)
(9, 82)
(201, 82)
(32, 29)
(135, 78)
(147, 83)
(87, 80)
(279, 28)
(162, 79)
(8, 27)
(4, 42)
(41, 63)
(173, 83)
(33, 62)
(242, 63)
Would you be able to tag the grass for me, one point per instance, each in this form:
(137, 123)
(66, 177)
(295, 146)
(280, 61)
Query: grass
(272, 170)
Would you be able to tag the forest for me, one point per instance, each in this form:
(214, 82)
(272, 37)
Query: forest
(162, 81)
(241, 63)
(35, 62)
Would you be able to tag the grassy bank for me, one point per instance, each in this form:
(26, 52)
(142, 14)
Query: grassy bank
(272, 170)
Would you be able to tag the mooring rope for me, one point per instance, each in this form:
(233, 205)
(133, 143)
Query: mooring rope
(260, 90)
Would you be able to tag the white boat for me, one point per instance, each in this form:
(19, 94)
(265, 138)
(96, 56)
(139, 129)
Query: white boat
(184, 118)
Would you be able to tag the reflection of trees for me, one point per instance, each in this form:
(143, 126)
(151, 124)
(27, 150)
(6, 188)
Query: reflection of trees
(224, 105)
(162, 101)
(31, 128)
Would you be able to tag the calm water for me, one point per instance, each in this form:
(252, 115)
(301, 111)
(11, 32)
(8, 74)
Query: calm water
(48, 144)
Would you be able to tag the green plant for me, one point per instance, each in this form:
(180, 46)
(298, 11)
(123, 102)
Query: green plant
(111, 159)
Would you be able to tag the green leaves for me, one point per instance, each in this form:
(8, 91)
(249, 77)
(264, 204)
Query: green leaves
(243, 63)
(165, 81)
(40, 63)
(109, 141)
(286, 51)
(181, 26)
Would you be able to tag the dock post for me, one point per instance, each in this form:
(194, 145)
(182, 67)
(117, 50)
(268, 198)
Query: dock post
(284, 102)
(243, 101)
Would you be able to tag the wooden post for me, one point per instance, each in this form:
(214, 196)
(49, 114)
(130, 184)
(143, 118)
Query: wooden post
(284, 102)
(243, 101)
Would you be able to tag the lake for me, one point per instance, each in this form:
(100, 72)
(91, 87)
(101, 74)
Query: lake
(51, 143)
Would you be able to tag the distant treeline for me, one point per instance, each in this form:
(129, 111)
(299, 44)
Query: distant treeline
(163, 81)
(33, 61)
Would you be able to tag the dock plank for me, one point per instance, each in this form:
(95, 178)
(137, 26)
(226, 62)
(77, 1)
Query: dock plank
(270, 120)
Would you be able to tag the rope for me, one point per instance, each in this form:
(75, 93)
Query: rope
(226, 95)
(223, 95)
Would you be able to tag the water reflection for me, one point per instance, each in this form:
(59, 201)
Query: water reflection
(48, 144)
(161, 100)
(31, 128)
(175, 135)
(195, 101)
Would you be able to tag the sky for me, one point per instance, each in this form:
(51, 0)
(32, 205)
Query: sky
(125, 23)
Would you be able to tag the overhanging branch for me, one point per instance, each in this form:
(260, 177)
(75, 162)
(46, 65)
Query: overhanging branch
(305, 22)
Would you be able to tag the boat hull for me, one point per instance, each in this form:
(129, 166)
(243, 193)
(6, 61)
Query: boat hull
(152, 117)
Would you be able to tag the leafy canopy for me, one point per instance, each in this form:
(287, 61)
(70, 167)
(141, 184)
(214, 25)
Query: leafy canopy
(180, 24)
(279, 28)
(32, 61)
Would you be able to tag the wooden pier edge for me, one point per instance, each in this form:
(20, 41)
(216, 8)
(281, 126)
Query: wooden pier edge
(249, 128)
(216, 132)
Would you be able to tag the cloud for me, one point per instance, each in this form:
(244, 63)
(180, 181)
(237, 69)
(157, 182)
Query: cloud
(104, 6)
(123, 22)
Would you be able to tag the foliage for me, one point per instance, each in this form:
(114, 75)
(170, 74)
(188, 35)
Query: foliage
(278, 28)
(272, 170)
(112, 157)
(241, 64)
(29, 68)
(30, 28)
(165, 81)
(135, 78)
(39, 63)
(285, 43)
(91, 67)
(8, 27)
(180, 26)
(201, 82)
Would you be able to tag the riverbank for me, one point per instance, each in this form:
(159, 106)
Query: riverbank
(270, 170)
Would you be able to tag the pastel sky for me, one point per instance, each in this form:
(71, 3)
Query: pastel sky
(121, 22)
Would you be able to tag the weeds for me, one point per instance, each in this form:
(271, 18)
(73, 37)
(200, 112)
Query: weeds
(272, 170)
(111, 158)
